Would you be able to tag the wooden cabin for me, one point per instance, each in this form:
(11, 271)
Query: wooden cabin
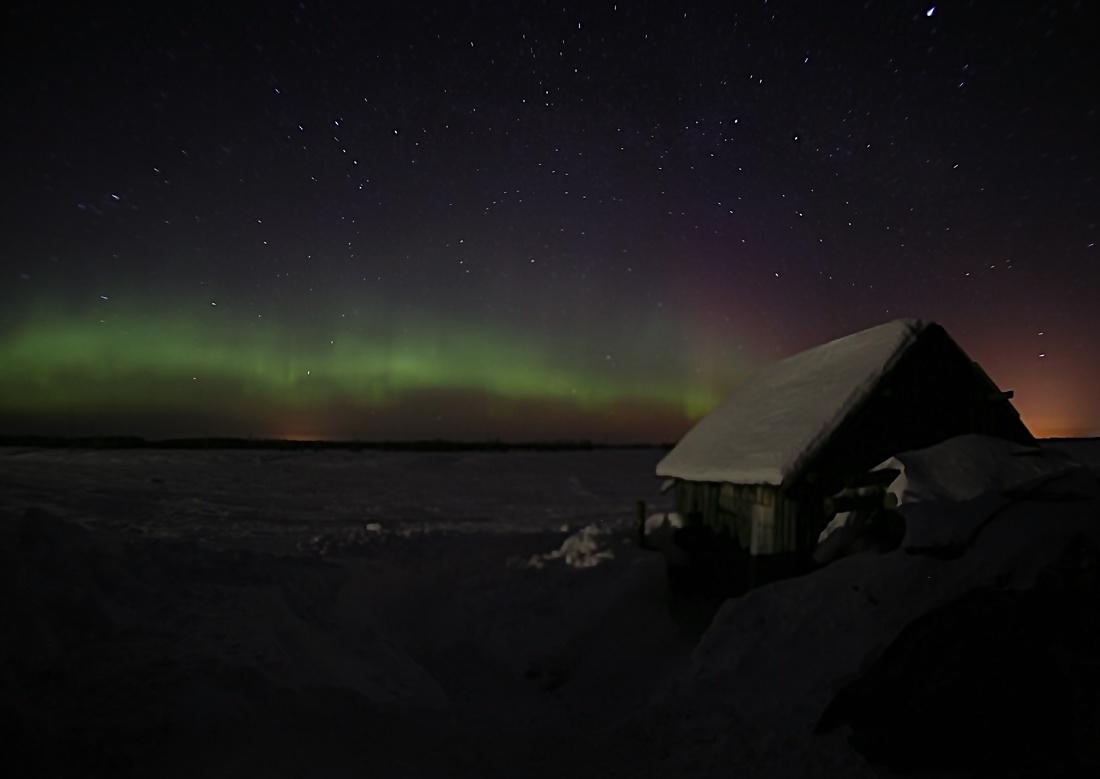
(752, 478)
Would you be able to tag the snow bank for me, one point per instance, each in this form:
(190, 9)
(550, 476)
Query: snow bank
(253, 613)
(853, 531)
(968, 466)
(758, 683)
(108, 650)
(947, 492)
(159, 618)
(658, 533)
(584, 549)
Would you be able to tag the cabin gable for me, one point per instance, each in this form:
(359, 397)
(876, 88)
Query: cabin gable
(921, 393)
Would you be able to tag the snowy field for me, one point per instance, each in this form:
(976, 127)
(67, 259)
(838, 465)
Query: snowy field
(490, 614)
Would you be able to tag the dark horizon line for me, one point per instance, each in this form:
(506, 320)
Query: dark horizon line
(232, 442)
(411, 445)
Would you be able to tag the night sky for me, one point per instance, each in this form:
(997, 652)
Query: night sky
(529, 220)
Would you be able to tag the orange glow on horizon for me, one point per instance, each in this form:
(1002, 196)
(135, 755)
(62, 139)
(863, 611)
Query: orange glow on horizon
(291, 434)
(1052, 412)
(1059, 428)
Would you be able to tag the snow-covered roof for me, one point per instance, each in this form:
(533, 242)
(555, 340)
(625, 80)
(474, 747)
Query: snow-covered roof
(766, 428)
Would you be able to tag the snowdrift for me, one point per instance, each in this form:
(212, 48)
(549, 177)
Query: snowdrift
(768, 690)
(222, 614)
(154, 639)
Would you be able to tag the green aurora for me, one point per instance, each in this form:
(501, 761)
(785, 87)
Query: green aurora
(178, 374)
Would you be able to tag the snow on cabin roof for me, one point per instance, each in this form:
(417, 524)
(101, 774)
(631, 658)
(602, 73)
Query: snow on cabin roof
(766, 428)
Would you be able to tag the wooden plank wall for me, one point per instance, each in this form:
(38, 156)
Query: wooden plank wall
(757, 516)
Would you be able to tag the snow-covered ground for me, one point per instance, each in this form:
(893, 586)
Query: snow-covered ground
(468, 614)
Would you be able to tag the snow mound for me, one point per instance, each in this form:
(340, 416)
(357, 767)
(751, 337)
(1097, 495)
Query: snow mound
(948, 491)
(1018, 667)
(659, 533)
(584, 549)
(969, 466)
(426, 645)
(843, 535)
(115, 643)
(657, 524)
(758, 683)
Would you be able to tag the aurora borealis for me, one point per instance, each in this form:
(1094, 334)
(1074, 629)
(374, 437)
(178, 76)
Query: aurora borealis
(297, 385)
(511, 220)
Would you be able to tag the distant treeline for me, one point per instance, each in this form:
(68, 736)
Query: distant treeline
(435, 445)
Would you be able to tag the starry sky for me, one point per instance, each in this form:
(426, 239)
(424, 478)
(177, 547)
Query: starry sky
(531, 220)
